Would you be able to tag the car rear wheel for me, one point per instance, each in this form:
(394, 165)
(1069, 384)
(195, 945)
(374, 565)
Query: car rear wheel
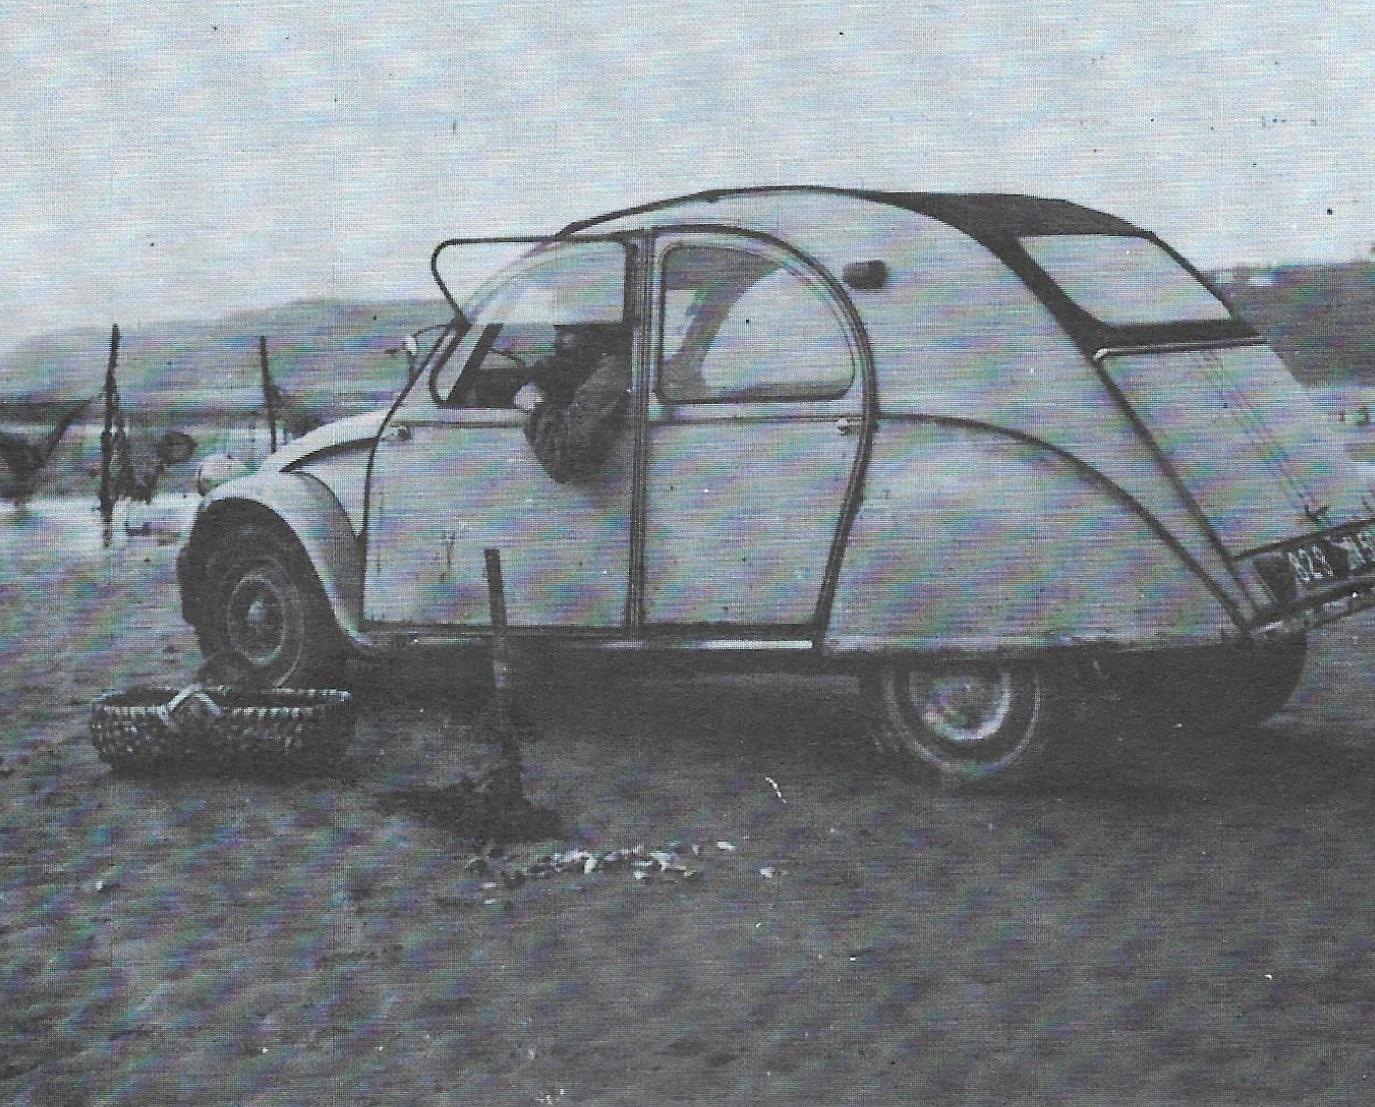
(262, 612)
(965, 725)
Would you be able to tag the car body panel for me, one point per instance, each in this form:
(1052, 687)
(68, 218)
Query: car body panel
(341, 433)
(459, 483)
(1000, 358)
(739, 516)
(1245, 440)
(950, 551)
(742, 497)
(337, 456)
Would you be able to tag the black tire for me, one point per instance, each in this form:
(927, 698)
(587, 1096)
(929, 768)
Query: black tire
(262, 607)
(1222, 689)
(967, 725)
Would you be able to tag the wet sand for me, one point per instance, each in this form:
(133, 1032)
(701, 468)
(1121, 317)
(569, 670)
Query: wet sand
(1181, 923)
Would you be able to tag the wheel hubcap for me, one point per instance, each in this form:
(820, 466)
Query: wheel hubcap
(963, 708)
(257, 624)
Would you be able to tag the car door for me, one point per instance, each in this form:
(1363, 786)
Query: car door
(453, 472)
(753, 426)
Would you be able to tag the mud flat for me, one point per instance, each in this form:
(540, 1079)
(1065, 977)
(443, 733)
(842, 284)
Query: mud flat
(1191, 925)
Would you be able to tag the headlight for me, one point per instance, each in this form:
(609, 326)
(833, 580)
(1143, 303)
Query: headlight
(216, 469)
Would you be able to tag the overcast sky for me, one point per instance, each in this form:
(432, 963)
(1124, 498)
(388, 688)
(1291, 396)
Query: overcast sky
(172, 160)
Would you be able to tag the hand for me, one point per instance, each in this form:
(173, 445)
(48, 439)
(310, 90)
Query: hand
(528, 397)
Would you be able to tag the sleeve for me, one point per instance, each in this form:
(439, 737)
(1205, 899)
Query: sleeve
(573, 440)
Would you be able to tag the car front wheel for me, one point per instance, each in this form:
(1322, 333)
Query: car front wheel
(263, 615)
(965, 724)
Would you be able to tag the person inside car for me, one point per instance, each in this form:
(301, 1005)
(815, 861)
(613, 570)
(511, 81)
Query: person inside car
(577, 399)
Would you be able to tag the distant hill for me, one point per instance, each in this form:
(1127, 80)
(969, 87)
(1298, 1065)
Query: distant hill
(1321, 318)
(328, 356)
(333, 357)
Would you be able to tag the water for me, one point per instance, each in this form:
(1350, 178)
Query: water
(74, 525)
(249, 439)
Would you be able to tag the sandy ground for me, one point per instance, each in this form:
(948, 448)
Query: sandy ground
(1190, 924)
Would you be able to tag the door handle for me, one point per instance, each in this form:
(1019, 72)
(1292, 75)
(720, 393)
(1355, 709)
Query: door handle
(844, 425)
(397, 432)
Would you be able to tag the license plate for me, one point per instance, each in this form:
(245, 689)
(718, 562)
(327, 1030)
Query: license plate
(1323, 561)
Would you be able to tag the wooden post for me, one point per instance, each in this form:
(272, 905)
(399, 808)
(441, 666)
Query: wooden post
(107, 497)
(267, 392)
(502, 787)
(501, 662)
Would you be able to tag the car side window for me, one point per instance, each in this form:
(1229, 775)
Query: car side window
(516, 309)
(499, 362)
(740, 326)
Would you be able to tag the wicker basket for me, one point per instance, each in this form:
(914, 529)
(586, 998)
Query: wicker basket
(256, 730)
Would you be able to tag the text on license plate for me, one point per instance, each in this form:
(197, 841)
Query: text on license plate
(1329, 559)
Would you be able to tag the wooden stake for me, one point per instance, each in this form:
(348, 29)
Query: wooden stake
(107, 498)
(267, 392)
(501, 666)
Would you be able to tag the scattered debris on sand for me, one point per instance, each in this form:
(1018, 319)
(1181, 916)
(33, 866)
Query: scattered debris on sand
(675, 862)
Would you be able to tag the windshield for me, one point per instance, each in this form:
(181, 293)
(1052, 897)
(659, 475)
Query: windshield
(525, 280)
(1123, 280)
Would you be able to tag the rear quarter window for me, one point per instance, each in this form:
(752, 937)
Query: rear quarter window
(739, 326)
(1122, 280)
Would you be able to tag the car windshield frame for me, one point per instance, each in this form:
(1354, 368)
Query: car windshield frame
(471, 313)
(498, 277)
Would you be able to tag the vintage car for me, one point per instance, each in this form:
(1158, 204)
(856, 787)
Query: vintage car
(993, 454)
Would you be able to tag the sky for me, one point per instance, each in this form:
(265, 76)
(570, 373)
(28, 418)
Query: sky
(183, 160)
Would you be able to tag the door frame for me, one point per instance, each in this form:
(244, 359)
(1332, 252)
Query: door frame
(868, 424)
(642, 313)
(447, 346)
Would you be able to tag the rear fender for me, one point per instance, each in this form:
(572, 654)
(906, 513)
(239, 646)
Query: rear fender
(970, 539)
(301, 505)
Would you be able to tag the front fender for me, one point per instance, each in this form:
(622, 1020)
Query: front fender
(968, 539)
(306, 508)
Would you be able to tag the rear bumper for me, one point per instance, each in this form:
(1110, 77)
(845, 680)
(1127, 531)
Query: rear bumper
(1316, 615)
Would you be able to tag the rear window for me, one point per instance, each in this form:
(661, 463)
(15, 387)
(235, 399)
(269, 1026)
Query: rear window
(1122, 280)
